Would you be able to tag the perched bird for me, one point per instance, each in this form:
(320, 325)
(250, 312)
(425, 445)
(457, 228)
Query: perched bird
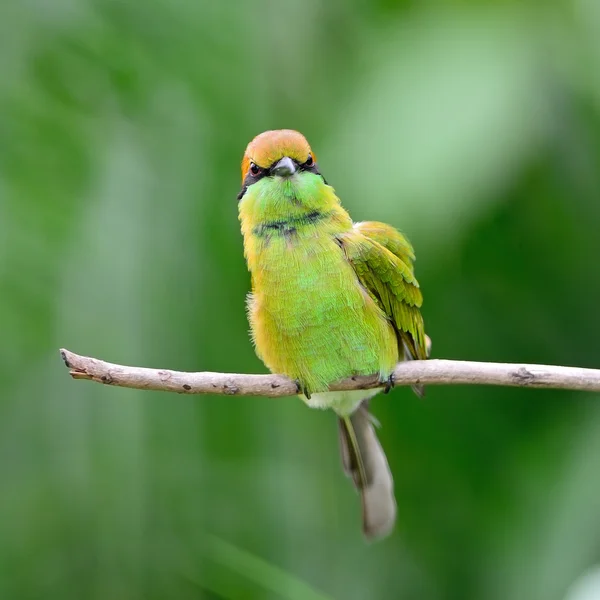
(330, 299)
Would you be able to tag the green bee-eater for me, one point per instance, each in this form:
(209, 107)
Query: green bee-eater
(330, 299)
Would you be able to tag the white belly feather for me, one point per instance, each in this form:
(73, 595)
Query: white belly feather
(343, 403)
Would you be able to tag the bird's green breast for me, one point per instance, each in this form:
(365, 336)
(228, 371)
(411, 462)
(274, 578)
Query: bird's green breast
(311, 319)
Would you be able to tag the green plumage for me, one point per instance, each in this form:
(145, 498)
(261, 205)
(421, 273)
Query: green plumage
(330, 299)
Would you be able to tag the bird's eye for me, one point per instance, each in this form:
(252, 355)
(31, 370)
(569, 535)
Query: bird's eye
(254, 169)
(309, 161)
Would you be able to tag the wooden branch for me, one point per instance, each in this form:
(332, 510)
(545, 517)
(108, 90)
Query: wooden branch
(428, 372)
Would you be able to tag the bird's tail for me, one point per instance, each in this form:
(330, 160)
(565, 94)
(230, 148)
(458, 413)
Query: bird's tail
(365, 463)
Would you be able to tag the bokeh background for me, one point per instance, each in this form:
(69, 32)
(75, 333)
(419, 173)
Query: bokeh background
(473, 126)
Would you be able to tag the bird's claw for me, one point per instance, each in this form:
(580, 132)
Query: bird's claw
(389, 384)
(302, 390)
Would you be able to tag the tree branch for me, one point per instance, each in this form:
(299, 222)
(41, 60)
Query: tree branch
(428, 372)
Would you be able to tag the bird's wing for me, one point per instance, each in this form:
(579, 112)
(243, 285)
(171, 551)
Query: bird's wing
(389, 238)
(382, 259)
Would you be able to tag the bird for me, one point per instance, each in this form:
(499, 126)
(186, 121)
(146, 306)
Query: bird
(330, 299)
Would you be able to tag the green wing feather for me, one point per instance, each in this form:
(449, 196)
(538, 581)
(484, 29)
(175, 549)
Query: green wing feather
(383, 261)
(389, 238)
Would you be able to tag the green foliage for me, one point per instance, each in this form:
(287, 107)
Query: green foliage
(474, 127)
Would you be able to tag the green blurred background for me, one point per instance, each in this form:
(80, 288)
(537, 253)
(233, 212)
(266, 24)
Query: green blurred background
(473, 126)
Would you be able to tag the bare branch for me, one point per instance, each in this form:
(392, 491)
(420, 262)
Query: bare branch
(428, 372)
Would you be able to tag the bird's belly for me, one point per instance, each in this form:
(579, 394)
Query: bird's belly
(314, 322)
(343, 403)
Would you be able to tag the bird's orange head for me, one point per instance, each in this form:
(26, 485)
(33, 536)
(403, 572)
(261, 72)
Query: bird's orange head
(281, 184)
(268, 148)
(281, 154)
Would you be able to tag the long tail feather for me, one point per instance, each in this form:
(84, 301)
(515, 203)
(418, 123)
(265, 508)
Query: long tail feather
(365, 463)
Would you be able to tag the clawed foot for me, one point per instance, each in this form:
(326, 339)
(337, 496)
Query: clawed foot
(389, 384)
(302, 390)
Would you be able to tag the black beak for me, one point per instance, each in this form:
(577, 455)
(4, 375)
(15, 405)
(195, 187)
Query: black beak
(284, 168)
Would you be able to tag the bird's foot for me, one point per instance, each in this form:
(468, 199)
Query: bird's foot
(302, 389)
(389, 384)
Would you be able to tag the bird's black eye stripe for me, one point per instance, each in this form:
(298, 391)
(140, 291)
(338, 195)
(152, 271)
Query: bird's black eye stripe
(252, 177)
(310, 165)
(255, 173)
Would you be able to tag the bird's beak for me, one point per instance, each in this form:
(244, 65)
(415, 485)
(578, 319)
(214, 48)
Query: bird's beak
(284, 168)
